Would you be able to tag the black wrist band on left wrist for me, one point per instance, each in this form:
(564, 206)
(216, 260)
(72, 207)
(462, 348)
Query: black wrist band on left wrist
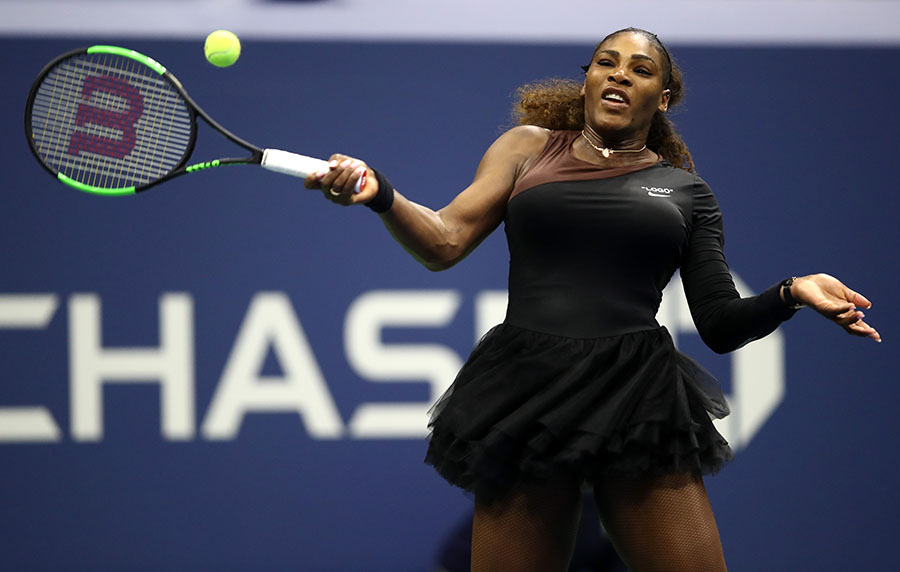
(789, 299)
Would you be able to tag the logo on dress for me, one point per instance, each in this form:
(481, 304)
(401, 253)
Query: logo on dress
(659, 192)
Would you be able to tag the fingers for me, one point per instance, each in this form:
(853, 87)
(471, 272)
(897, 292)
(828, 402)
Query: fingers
(344, 175)
(831, 298)
(853, 323)
(849, 317)
(338, 181)
(862, 329)
(322, 179)
(311, 181)
(847, 294)
(834, 310)
(858, 299)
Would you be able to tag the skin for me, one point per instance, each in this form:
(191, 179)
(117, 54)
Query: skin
(628, 64)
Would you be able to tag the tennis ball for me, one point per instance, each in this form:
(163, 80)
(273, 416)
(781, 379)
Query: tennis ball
(222, 48)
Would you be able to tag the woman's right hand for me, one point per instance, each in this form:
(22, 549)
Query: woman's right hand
(338, 181)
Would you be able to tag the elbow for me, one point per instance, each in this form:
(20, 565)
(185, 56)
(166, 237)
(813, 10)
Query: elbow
(720, 349)
(441, 257)
(436, 266)
(440, 263)
(724, 345)
(718, 343)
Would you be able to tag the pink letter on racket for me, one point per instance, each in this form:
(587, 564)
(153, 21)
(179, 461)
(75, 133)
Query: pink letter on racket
(124, 121)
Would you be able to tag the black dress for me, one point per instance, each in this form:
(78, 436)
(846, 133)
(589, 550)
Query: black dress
(580, 377)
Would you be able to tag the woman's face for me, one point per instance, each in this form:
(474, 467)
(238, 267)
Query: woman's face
(623, 86)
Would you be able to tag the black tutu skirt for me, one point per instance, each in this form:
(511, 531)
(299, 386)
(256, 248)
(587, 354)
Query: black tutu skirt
(527, 405)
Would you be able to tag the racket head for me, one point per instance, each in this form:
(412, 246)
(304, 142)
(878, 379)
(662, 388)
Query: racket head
(109, 121)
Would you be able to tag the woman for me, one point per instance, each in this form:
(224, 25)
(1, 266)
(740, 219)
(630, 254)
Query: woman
(580, 384)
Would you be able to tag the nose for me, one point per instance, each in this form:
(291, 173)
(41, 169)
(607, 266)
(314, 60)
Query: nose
(619, 76)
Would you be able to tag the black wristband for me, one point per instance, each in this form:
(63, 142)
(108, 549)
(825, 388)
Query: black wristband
(384, 198)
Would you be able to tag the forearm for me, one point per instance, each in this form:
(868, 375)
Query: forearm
(423, 233)
(727, 322)
(437, 239)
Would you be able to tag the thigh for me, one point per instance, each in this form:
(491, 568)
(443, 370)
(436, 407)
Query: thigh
(532, 528)
(661, 523)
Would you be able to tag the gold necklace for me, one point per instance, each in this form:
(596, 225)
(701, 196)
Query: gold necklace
(606, 151)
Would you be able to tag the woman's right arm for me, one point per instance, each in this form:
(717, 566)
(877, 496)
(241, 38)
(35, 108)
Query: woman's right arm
(440, 239)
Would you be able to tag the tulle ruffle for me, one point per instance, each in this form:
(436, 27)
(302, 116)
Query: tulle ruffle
(529, 404)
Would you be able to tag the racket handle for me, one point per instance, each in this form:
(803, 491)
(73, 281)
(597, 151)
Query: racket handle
(294, 164)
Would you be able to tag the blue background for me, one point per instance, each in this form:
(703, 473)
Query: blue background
(798, 144)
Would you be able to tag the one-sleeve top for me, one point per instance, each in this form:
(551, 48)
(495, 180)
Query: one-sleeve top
(591, 250)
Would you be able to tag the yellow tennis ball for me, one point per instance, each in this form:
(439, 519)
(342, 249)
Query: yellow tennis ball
(222, 48)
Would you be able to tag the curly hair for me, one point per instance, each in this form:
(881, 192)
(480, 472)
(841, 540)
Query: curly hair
(558, 104)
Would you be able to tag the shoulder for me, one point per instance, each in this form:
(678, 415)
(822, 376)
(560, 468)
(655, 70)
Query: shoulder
(526, 137)
(679, 176)
(691, 184)
(517, 148)
(688, 190)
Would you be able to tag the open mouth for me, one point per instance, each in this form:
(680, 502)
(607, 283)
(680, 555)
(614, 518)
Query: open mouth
(614, 96)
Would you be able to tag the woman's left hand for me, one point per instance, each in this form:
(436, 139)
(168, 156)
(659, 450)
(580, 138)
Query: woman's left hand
(830, 297)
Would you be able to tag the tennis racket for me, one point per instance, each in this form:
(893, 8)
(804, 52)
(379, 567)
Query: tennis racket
(111, 121)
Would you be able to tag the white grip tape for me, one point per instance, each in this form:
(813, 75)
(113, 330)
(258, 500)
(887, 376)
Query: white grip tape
(294, 164)
(291, 163)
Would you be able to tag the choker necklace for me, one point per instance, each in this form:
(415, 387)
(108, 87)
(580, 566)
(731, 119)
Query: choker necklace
(606, 151)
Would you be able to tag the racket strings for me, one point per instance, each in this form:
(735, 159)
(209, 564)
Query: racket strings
(108, 121)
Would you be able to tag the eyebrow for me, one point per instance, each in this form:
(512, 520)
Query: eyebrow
(633, 56)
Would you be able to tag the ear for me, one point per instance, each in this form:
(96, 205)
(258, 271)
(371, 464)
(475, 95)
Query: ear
(663, 100)
(582, 90)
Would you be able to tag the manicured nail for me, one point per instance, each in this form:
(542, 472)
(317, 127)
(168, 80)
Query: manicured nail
(332, 164)
(320, 174)
(345, 163)
(362, 181)
(361, 173)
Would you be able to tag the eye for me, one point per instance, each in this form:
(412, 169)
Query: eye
(644, 72)
(605, 63)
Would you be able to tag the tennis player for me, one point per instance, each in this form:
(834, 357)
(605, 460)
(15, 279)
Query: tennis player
(580, 383)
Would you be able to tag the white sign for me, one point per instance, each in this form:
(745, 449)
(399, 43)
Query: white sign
(271, 323)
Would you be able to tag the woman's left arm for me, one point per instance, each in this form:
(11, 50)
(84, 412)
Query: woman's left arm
(726, 321)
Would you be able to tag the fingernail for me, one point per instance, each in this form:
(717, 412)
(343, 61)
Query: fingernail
(361, 173)
(362, 181)
(321, 174)
(345, 163)
(332, 164)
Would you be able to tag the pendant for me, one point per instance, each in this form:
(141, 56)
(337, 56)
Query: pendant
(606, 153)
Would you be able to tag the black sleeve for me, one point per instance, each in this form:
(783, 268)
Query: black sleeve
(725, 321)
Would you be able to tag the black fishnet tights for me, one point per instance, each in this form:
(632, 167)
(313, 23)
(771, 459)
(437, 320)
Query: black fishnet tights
(660, 523)
(531, 529)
